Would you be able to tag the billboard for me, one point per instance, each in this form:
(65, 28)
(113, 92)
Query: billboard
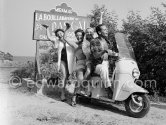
(46, 52)
(56, 19)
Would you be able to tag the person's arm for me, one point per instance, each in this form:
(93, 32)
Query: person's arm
(101, 18)
(112, 53)
(99, 54)
(88, 67)
(71, 43)
(67, 40)
(86, 48)
(50, 37)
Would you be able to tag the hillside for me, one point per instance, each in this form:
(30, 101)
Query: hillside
(18, 61)
(23, 58)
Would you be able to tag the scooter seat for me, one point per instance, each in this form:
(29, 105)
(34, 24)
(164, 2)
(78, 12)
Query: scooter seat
(95, 74)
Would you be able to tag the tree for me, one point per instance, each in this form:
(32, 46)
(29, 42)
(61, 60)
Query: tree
(109, 18)
(148, 37)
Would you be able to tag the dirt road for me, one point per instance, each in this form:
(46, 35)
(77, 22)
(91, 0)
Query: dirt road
(19, 107)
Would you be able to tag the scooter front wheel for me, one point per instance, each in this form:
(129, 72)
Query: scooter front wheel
(137, 105)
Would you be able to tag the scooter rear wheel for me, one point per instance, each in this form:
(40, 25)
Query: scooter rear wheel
(136, 110)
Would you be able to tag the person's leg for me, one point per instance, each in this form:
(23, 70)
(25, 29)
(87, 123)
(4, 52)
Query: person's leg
(40, 91)
(103, 71)
(78, 86)
(80, 78)
(61, 85)
(63, 98)
(63, 81)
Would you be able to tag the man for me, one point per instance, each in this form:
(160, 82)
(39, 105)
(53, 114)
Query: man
(98, 61)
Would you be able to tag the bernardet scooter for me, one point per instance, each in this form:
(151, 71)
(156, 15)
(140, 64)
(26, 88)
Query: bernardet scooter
(124, 76)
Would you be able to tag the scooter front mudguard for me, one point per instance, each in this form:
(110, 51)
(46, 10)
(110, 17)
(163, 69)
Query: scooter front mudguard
(126, 87)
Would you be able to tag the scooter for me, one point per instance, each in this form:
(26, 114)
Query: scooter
(123, 79)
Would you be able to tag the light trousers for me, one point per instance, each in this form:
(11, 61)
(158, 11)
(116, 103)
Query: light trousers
(103, 71)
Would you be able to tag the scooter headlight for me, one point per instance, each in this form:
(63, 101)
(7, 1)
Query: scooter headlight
(136, 73)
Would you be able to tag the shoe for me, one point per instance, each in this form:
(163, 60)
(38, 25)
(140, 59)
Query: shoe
(83, 93)
(73, 101)
(63, 100)
(73, 104)
(110, 93)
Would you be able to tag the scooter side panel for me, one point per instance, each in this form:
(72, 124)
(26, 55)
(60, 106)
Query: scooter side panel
(125, 87)
(123, 76)
(119, 80)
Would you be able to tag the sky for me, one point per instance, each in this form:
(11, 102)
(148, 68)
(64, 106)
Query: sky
(16, 18)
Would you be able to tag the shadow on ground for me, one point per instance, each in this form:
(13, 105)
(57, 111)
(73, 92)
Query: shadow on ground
(54, 93)
(158, 105)
(98, 105)
(94, 104)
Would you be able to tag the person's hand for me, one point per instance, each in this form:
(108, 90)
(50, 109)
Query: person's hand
(105, 56)
(67, 26)
(112, 53)
(102, 12)
(45, 26)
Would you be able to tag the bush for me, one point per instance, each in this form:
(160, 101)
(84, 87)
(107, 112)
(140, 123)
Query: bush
(148, 38)
(27, 71)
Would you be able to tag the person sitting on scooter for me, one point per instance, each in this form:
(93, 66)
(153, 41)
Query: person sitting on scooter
(89, 35)
(98, 61)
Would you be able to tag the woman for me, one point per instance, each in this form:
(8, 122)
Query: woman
(80, 59)
(60, 44)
